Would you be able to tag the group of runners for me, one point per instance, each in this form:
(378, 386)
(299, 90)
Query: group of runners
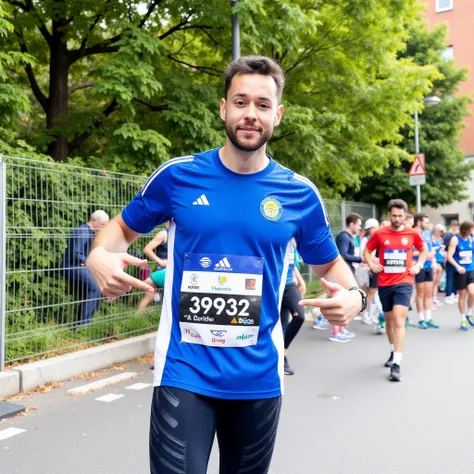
(234, 217)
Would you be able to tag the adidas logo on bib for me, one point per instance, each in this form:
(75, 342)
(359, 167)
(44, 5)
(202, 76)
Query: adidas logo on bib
(223, 265)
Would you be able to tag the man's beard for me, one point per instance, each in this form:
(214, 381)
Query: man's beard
(396, 225)
(264, 137)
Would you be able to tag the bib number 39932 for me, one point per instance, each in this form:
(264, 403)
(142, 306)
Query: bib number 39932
(220, 299)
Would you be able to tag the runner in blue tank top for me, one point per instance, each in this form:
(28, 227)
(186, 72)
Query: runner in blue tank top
(440, 258)
(424, 279)
(219, 348)
(460, 256)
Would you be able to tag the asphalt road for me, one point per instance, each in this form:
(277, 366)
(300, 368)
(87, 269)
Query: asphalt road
(340, 412)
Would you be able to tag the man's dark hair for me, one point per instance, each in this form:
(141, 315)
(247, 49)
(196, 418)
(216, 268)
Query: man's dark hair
(466, 227)
(419, 218)
(255, 65)
(352, 218)
(454, 222)
(398, 204)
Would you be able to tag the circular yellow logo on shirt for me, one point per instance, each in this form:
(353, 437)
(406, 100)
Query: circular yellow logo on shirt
(270, 208)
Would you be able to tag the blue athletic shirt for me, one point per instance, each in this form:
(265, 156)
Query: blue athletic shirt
(437, 245)
(463, 253)
(428, 239)
(290, 279)
(228, 253)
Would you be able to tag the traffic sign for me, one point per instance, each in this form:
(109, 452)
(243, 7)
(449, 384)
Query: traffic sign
(418, 166)
(417, 180)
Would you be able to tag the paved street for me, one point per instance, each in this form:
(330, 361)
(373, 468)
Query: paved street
(340, 413)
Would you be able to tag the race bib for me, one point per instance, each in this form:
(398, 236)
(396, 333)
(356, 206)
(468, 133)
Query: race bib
(220, 299)
(465, 257)
(394, 261)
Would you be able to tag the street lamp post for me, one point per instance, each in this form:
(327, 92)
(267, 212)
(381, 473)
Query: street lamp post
(429, 102)
(235, 32)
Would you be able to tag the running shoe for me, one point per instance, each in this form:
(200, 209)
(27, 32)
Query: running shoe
(450, 300)
(470, 320)
(422, 325)
(321, 324)
(367, 320)
(381, 318)
(432, 324)
(409, 324)
(339, 338)
(379, 328)
(463, 326)
(358, 318)
(288, 369)
(437, 303)
(347, 333)
(395, 375)
(389, 362)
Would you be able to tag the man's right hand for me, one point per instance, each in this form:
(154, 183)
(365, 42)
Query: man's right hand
(461, 270)
(376, 268)
(108, 271)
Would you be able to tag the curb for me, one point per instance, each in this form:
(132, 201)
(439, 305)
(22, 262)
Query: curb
(9, 383)
(30, 376)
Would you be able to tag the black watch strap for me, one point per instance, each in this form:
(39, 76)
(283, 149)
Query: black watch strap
(363, 295)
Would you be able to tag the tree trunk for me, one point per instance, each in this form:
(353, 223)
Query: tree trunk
(59, 64)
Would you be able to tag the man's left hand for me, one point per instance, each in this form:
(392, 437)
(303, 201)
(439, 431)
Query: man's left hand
(340, 307)
(415, 269)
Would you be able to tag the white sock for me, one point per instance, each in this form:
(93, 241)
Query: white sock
(469, 312)
(421, 317)
(463, 317)
(372, 310)
(392, 347)
(427, 314)
(365, 314)
(397, 358)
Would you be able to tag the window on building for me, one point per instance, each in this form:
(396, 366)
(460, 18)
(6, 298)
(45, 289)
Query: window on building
(448, 53)
(450, 217)
(444, 5)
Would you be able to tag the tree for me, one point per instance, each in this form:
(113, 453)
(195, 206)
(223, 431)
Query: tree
(440, 129)
(131, 82)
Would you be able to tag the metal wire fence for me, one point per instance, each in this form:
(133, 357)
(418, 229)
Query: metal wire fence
(47, 303)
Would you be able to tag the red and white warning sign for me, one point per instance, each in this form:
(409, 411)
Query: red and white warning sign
(418, 166)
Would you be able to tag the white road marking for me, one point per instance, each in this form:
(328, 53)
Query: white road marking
(102, 383)
(110, 397)
(9, 432)
(138, 386)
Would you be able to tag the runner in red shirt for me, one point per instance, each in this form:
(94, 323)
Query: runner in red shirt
(396, 270)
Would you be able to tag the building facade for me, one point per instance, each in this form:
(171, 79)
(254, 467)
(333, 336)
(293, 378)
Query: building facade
(459, 15)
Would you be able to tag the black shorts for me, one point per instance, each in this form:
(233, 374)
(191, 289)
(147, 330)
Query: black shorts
(425, 275)
(461, 281)
(393, 295)
(373, 279)
(183, 426)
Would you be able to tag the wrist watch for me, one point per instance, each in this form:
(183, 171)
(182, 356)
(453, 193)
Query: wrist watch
(363, 295)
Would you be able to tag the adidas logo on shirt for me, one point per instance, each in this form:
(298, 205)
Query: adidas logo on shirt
(223, 265)
(201, 201)
(387, 242)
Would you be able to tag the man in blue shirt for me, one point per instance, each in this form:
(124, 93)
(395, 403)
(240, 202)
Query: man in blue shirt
(233, 212)
(80, 280)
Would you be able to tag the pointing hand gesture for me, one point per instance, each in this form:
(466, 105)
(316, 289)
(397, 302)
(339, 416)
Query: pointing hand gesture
(340, 307)
(108, 271)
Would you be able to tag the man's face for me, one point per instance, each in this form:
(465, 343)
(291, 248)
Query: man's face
(455, 229)
(372, 230)
(97, 224)
(355, 227)
(251, 111)
(425, 223)
(397, 217)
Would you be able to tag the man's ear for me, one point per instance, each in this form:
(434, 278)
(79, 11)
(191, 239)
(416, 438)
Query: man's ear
(279, 115)
(223, 109)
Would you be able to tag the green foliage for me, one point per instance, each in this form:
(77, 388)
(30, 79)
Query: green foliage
(150, 72)
(440, 128)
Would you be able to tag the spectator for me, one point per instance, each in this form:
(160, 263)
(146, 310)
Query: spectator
(80, 279)
(450, 289)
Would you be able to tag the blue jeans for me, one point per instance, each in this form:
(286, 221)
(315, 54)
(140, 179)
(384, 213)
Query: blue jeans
(85, 289)
(450, 288)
